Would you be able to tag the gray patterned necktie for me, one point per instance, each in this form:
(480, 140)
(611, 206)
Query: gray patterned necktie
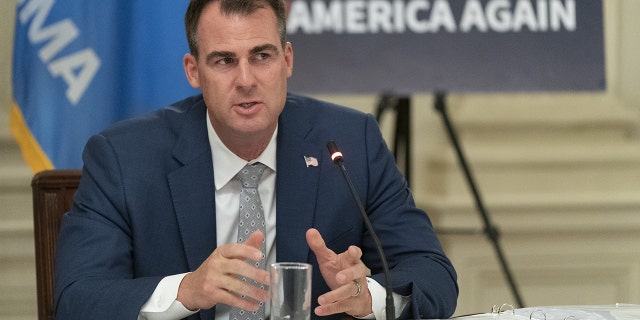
(251, 219)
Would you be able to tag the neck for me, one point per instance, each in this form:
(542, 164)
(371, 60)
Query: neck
(247, 148)
(250, 152)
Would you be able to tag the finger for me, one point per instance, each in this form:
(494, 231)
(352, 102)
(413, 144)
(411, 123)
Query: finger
(341, 293)
(356, 302)
(329, 309)
(235, 293)
(244, 269)
(256, 239)
(315, 241)
(355, 272)
(318, 246)
(233, 262)
(235, 300)
(237, 277)
(354, 254)
(245, 289)
(353, 266)
(342, 306)
(241, 250)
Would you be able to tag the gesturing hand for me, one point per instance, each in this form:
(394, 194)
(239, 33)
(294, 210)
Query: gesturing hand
(216, 280)
(345, 274)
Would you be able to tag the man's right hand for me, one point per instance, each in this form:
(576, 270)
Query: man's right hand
(218, 279)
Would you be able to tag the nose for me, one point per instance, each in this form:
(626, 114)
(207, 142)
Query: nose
(245, 77)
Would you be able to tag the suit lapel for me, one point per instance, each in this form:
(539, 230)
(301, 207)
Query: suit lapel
(192, 187)
(296, 184)
(193, 190)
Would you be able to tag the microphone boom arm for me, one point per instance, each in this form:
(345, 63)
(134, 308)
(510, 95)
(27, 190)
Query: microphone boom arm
(336, 156)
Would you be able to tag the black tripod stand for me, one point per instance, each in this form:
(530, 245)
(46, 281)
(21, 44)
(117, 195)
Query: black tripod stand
(401, 104)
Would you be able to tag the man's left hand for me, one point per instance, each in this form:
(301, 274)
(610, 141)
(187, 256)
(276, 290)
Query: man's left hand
(345, 274)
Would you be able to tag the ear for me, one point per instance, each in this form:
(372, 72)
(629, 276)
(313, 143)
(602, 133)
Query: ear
(191, 70)
(288, 58)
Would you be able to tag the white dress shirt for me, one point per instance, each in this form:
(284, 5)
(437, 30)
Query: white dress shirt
(162, 305)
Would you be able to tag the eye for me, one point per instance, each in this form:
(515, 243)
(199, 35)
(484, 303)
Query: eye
(225, 61)
(262, 56)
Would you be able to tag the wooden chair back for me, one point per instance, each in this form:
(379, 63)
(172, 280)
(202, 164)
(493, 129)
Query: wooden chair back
(52, 196)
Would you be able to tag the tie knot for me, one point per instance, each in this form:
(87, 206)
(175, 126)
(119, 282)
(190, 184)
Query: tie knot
(250, 175)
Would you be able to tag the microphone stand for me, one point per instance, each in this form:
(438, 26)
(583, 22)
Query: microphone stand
(336, 156)
(489, 228)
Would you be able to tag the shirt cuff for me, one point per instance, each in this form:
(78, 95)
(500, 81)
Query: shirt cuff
(378, 301)
(162, 305)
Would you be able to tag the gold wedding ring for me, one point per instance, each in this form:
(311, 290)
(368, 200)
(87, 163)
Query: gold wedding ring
(358, 288)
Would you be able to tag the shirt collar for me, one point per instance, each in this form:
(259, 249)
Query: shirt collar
(226, 164)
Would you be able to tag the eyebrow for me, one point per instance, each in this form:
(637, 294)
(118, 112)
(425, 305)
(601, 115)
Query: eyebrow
(264, 47)
(219, 54)
(228, 54)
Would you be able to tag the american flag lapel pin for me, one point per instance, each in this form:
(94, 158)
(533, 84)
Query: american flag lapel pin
(310, 161)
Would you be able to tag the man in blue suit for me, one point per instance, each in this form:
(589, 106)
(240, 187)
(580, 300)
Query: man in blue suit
(152, 231)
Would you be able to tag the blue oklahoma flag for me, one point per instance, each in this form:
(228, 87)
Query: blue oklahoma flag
(81, 65)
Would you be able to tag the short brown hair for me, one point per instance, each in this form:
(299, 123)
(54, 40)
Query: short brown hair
(230, 7)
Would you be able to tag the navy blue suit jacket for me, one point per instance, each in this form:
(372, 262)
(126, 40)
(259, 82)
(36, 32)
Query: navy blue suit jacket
(145, 210)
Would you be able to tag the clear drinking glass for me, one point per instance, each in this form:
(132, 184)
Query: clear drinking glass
(290, 290)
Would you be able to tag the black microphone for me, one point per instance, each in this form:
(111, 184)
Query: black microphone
(336, 157)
